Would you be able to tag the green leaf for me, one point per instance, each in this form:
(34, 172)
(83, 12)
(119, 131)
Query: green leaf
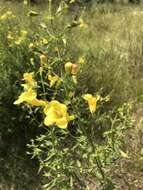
(33, 13)
(71, 181)
(123, 154)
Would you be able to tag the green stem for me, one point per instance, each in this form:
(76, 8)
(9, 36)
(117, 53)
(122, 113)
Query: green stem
(42, 81)
(53, 32)
(98, 161)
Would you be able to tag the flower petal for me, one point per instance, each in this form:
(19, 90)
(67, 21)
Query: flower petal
(50, 118)
(36, 102)
(62, 123)
(26, 97)
(87, 96)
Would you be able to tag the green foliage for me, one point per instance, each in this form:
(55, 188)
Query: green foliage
(59, 152)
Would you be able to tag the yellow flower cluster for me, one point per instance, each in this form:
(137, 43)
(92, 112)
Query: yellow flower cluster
(22, 37)
(29, 95)
(40, 42)
(56, 112)
(7, 15)
(13, 37)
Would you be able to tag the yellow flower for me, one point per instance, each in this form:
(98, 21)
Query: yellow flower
(7, 15)
(44, 41)
(28, 76)
(82, 24)
(56, 114)
(31, 46)
(21, 38)
(10, 36)
(71, 94)
(53, 79)
(19, 41)
(92, 101)
(81, 60)
(29, 97)
(26, 96)
(36, 102)
(24, 33)
(30, 82)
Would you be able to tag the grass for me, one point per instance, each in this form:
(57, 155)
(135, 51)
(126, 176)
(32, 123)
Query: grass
(114, 39)
(112, 44)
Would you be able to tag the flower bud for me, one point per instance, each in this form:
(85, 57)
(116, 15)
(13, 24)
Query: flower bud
(74, 69)
(68, 67)
(31, 46)
(43, 59)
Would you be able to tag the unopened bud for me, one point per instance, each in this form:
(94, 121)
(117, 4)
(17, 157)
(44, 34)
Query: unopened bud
(74, 69)
(68, 67)
(43, 59)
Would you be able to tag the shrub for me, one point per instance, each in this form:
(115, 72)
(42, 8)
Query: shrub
(75, 115)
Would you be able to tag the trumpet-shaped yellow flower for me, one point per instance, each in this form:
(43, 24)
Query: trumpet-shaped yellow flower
(53, 80)
(29, 97)
(26, 96)
(56, 114)
(92, 101)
